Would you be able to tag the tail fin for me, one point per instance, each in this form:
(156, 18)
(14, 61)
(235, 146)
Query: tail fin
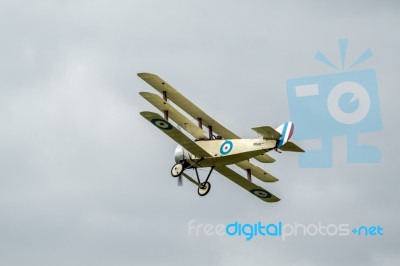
(286, 130)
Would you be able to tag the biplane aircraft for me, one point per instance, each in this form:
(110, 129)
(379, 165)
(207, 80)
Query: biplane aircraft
(217, 149)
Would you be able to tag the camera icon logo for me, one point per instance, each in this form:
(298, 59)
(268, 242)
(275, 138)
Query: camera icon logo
(337, 104)
(358, 92)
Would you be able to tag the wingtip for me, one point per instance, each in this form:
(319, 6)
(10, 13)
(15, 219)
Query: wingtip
(147, 114)
(144, 74)
(274, 199)
(144, 93)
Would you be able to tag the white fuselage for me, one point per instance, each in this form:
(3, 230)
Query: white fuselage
(225, 152)
(219, 148)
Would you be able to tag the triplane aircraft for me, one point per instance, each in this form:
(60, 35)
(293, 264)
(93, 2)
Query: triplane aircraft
(217, 149)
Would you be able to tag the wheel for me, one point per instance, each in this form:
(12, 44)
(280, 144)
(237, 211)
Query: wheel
(177, 170)
(202, 191)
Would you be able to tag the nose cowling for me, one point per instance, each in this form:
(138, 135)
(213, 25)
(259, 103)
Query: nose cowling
(181, 154)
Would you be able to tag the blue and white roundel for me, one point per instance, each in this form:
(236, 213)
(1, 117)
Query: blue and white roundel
(226, 147)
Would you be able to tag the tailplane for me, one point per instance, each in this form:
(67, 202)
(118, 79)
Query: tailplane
(286, 130)
(282, 134)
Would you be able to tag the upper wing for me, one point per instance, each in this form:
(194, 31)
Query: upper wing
(246, 184)
(186, 105)
(175, 134)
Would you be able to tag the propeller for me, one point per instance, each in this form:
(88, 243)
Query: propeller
(180, 176)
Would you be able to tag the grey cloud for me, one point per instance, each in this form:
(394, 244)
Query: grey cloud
(85, 180)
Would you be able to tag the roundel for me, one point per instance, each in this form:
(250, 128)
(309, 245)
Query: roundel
(161, 124)
(226, 147)
(261, 193)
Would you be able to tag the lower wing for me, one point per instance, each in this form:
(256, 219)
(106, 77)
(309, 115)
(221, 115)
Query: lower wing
(246, 184)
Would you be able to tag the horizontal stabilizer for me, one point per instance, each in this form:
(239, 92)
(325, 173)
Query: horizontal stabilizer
(267, 132)
(290, 146)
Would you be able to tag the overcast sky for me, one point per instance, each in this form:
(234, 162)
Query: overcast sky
(85, 180)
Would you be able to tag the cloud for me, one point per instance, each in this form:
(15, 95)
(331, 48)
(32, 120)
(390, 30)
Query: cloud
(85, 180)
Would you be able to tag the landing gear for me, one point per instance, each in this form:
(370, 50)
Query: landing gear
(204, 188)
(177, 170)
